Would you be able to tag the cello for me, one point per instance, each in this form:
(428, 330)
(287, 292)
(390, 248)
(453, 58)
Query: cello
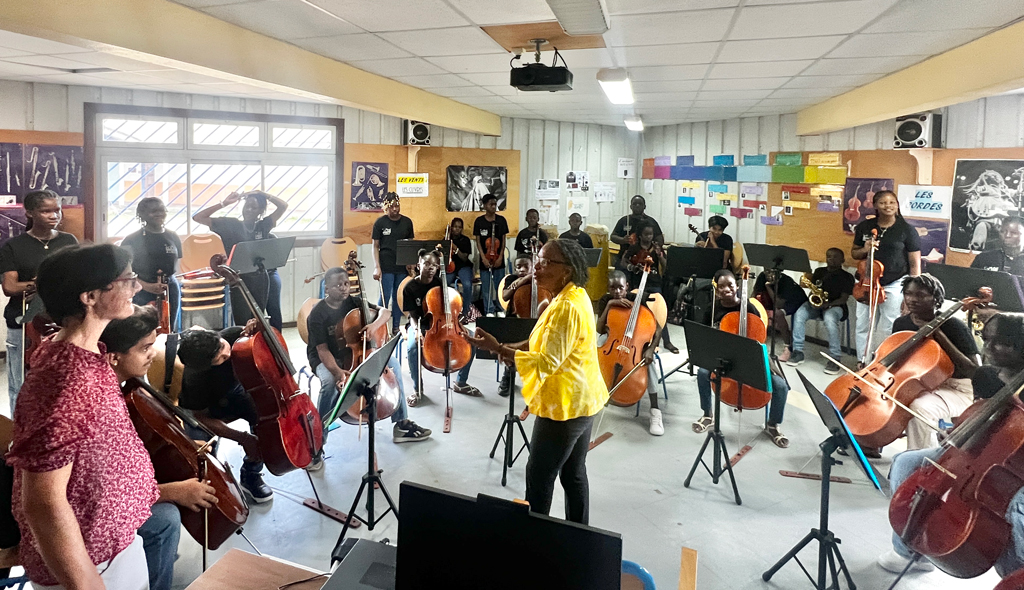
(445, 348)
(907, 364)
(620, 353)
(953, 510)
(748, 325)
(289, 428)
(531, 299)
(176, 457)
(868, 289)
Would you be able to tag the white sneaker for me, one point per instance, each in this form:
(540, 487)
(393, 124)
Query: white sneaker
(894, 562)
(657, 427)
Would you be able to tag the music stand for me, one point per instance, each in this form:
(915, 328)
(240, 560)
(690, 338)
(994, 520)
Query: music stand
(255, 258)
(407, 252)
(507, 331)
(363, 383)
(828, 544)
(692, 264)
(593, 256)
(777, 258)
(730, 356)
(961, 282)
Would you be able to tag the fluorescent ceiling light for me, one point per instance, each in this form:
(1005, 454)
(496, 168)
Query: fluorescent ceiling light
(581, 17)
(634, 123)
(616, 85)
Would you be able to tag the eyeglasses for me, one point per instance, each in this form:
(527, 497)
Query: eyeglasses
(130, 278)
(545, 262)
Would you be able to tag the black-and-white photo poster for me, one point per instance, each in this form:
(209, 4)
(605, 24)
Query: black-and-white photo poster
(467, 186)
(984, 193)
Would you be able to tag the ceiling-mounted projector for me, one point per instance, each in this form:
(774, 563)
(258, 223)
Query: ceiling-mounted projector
(539, 77)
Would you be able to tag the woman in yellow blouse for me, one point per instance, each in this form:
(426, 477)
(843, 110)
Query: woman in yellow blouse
(562, 382)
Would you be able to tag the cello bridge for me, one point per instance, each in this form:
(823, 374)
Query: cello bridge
(622, 348)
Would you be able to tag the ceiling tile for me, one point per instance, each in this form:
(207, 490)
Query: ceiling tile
(434, 81)
(474, 64)
(666, 86)
(282, 20)
(206, 3)
(36, 45)
(483, 101)
(395, 15)
(51, 61)
(662, 96)
(451, 41)
(16, 69)
(906, 43)
(403, 66)
(667, 55)
(850, 81)
(489, 12)
(778, 49)
(745, 83)
(106, 60)
(491, 79)
(733, 94)
(583, 58)
(181, 76)
(9, 52)
(134, 78)
(463, 91)
(808, 93)
(864, 65)
(946, 15)
(351, 47)
(661, 73)
(617, 7)
(652, 29)
(795, 20)
(504, 90)
(768, 68)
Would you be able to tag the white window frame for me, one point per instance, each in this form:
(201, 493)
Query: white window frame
(100, 142)
(270, 139)
(260, 147)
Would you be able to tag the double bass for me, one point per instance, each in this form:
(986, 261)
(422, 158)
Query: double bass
(907, 364)
(621, 353)
(445, 348)
(176, 457)
(289, 428)
(530, 300)
(748, 325)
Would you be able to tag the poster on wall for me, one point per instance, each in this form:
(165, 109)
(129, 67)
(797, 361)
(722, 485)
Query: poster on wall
(984, 193)
(54, 167)
(604, 192)
(369, 184)
(11, 183)
(467, 185)
(934, 235)
(924, 202)
(578, 203)
(547, 190)
(857, 197)
(626, 168)
(577, 180)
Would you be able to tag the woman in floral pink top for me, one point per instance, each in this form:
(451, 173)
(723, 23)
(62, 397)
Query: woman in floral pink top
(83, 481)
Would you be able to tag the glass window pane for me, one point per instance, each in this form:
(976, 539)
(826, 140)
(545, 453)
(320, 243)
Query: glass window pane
(212, 182)
(305, 139)
(138, 131)
(305, 189)
(229, 135)
(128, 182)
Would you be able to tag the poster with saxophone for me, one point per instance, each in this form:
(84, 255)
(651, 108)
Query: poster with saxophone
(985, 192)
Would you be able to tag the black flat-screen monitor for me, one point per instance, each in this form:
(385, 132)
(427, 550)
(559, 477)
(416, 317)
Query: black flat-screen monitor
(455, 542)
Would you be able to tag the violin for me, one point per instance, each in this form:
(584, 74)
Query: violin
(289, 429)
(176, 457)
(868, 289)
(445, 347)
(621, 353)
(162, 305)
(908, 364)
(451, 251)
(349, 333)
(748, 325)
(530, 298)
(953, 510)
(492, 248)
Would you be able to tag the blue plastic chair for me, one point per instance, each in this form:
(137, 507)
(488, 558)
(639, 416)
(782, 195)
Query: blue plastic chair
(631, 568)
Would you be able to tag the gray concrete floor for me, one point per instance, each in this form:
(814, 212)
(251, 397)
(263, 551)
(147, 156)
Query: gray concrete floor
(636, 483)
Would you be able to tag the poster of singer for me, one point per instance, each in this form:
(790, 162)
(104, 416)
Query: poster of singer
(984, 193)
(467, 185)
(369, 184)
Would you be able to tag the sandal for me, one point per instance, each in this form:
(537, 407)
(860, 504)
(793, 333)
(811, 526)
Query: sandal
(702, 424)
(467, 389)
(777, 437)
(672, 349)
(413, 400)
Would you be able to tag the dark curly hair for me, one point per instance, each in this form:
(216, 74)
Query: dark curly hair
(574, 256)
(34, 200)
(198, 347)
(930, 284)
(146, 203)
(121, 335)
(1008, 328)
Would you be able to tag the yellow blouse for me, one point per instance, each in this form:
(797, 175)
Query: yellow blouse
(561, 377)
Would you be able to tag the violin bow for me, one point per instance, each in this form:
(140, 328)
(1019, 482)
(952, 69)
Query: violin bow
(872, 297)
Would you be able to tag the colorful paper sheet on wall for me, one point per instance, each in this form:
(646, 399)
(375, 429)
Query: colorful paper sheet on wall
(604, 192)
(682, 201)
(692, 211)
(789, 159)
(776, 209)
(662, 161)
(984, 191)
(717, 188)
(768, 220)
(828, 207)
(751, 190)
(741, 213)
(717, 209)
(824, 159)
(827, 193)
(799, 204)
(754, 174)
(754, 203)
(662, 172)
(725, 196)
(824, 174)
(787, 173)
(724, 160)
(755, 160)
(685, 160)
(791, 191)
(648, 168)
(857, 199)
(929, 202)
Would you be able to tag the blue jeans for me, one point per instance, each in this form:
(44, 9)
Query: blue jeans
(488, 292)
(831, 316)
(160, 534)
(414, 360)
(14, 367)
(390, 282)
(144, 297)
(885, 315)
(465, 276)
(329, 393)
(780, 390)
(1012, 558)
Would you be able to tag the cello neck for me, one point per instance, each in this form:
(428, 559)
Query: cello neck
(743, 307)
(269, 336)
(634, 313)
(365, 305)
(979, 420)
(923, 332)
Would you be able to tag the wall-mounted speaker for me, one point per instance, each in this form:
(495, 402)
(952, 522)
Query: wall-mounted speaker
(921, 130)
(416, 133)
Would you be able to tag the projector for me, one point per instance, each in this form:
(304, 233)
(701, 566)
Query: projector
(539, 77)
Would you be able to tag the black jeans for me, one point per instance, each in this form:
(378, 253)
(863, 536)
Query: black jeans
(560, 449)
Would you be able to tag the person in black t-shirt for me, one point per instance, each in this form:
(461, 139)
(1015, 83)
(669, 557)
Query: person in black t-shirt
(790, 298)
(255, 224)
(716, 237)
(387, 230)
(899, 249)
(155, 254)
(923, 296)
(490, 225)
(19, 260)
(1004, 354)
(727, 295)
(628, 225)
(532, 230)
(1008, 258)
(574, 233)
(463, 265)
(646, 244)
(839, 285)
(327, 355)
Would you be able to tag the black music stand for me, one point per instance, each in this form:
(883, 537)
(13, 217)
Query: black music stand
(777, 258)
(691, 263)
(507, 331)
(593, 256)
(363, 383)
(961, 282)
(407, 252)
(256, 258)
(730, 356)
(828, 544)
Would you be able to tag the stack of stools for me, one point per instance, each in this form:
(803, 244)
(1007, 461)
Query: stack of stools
(205, 299)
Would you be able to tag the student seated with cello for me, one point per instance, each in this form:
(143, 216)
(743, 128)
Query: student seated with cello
(130, 352)
(727, 300)
(327, 353)
(619, 296)
(524, 274)
(632, 263)
(1004, 349)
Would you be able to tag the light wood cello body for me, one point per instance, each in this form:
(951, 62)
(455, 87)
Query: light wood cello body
(748, 325)
(630, 332)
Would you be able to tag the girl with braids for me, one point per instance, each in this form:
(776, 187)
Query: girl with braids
(19, 259)
(155, 253)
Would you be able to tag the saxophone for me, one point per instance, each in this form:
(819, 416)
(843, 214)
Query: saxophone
(818, 296)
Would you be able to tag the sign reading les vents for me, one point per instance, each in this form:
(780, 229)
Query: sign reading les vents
(412, 185)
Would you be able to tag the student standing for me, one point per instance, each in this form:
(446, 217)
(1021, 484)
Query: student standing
(490, 225)
(155, 254)
(387, 230)
(574, 233)
(531, 231)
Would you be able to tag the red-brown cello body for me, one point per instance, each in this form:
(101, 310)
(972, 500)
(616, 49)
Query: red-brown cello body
(747, 325)
(445, 344)
(630, 332)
